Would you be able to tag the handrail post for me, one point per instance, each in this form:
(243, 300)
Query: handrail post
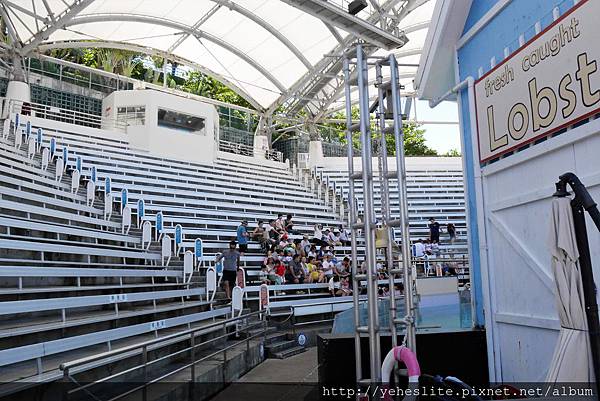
(145, 361)
(224, 350)
(65, 385)
(193, 354)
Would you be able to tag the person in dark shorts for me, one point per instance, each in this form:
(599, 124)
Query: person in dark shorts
(451, 232)
(231, 262)
(242, 236)
(434, 230)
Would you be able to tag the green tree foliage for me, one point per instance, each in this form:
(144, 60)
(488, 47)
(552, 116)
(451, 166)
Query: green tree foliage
(131, 64)
(453, 153)
(203, 85)
(414, 141)
(414, 136)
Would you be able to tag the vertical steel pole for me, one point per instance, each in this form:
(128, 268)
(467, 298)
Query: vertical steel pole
(369, 218)
(352, 217)
(385, 203)
(410, 336)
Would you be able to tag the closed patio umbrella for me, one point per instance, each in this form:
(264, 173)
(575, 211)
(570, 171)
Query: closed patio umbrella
(572, 360)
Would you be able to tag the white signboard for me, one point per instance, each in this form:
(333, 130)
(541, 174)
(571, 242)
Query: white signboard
(551, 82)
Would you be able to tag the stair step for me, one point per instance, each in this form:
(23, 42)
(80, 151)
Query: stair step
(267, 331)
(289, 352)
(279, 346)
(275, 337)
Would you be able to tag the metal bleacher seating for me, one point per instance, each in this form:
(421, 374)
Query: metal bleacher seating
(76, 282)
(432, 192)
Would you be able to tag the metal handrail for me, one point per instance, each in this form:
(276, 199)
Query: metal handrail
(247, 150)
(66, 366)
(192, 364)
(188, 335)
(64, 115)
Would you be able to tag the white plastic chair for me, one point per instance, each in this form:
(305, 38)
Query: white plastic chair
(211, 283)
(240, 279)
(59, 168)
(45, 158)
(236, 301)
(18, 138)
(90, 193)
(263, 297)
(75, 176)
(166, 250)
(6, 131)
(31, 148)
(188, 266)
(126, 217)
(146, 234)
(108, 206)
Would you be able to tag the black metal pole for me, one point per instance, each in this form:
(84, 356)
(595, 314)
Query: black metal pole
(589, 288)
(580, 204)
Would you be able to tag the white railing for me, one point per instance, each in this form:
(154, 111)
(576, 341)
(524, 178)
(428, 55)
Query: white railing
(246, 150)
(64, 115)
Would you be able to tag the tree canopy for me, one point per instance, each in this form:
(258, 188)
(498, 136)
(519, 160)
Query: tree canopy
(415, 143)
(149, 68)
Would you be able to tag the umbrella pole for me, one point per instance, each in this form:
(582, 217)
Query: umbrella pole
(580, 204)
(589, 289)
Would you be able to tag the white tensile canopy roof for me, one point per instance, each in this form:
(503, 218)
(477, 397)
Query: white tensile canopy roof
(263, 49)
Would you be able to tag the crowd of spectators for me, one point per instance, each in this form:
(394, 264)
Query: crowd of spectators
(292, 258)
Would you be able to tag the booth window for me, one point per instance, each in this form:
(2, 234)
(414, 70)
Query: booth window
(180, 121)
(132, 115)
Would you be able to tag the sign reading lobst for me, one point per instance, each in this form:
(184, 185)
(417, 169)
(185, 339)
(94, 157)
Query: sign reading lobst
(550, 83)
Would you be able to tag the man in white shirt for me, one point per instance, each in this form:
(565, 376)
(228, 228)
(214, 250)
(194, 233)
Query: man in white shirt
(419, 249)
(305, 244)
(327, 266)
(419, 253)
(318, 235)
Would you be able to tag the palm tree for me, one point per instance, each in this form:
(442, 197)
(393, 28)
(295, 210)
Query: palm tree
(128, 63)
(108, 60)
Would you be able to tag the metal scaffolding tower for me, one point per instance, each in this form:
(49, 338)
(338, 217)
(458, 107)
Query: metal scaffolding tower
(387, 107)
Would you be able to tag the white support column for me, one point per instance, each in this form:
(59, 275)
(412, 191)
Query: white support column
(315, 153)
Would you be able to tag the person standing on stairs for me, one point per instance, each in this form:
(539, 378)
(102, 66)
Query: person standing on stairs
(434, 231)
(242, 236)
(231, 263)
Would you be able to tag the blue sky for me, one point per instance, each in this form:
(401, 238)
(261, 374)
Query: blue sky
(441, 137)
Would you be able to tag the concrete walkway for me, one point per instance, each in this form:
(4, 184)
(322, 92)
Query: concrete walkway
(288, 379)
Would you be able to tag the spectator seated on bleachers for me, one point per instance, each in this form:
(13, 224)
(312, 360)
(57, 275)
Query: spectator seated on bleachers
(333, 237)
(294, 273)
(318, 236)
(289, 225)
(342, 269)
(344, 288)
(312, 275)
(344, 236)
(258, 232)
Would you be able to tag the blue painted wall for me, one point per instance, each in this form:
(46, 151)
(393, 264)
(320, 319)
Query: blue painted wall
(518, 17)
(477, 11)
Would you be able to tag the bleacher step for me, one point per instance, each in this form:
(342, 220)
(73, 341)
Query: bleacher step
(273, 348)
(275, 337)
(289, 352)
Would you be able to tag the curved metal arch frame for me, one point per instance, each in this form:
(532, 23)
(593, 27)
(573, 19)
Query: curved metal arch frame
(268, 27)
(76, 44)
(199, 34)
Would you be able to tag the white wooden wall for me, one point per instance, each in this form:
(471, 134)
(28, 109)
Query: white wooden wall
(517, 191)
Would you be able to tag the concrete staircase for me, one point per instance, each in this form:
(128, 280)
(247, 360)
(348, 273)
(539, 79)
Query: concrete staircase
(282, 345)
